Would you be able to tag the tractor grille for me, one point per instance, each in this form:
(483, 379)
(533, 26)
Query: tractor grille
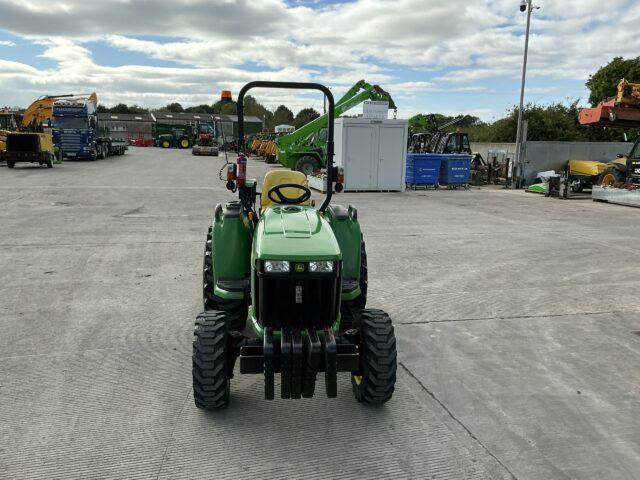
(298, 300)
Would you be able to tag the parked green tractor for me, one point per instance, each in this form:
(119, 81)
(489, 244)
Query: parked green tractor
(173, 136)
(285, 288)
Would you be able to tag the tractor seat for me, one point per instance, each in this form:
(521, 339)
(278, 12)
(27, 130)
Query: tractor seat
(279, 177)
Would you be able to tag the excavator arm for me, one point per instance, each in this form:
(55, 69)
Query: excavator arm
(42, 109)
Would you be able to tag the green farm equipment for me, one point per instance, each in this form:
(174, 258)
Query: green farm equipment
(285, 287)
(305, 149)
(173, 136)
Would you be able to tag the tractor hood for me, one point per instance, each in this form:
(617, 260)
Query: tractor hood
(292, 232)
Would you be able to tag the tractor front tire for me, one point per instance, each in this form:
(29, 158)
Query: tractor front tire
(165, 144)
(307, 164)
(211, 361)
(375, 382)
(236, 310)
(611, 176)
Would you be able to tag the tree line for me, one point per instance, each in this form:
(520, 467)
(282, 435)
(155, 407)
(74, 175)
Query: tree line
(556, 121)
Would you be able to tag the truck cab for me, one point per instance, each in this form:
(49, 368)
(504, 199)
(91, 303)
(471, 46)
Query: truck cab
(75, 124)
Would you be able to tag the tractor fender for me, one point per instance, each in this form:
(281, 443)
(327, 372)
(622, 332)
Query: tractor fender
(231, 251)
(620, 165)
(346, 228)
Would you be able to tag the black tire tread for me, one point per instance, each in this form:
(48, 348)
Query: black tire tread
(210, 372)
(307, 159)
(379, 358)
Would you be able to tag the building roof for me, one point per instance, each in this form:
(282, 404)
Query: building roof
(126, 117)
(164, 116)
(187, 117)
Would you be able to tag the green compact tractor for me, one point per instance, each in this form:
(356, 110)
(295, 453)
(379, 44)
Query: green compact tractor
(285, 287)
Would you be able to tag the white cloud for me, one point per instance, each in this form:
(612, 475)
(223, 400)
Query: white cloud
(453, 47)
(7, 43)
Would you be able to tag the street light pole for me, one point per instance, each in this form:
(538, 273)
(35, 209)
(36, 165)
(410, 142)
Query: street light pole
(528, 5)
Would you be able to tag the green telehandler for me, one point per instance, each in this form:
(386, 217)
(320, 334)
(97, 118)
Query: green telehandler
(305, 149)
(285, 288)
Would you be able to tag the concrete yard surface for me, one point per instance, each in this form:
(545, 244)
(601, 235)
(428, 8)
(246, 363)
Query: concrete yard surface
(517, 317)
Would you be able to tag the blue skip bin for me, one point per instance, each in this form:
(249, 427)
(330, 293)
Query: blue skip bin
(423, 169)
(455, 170)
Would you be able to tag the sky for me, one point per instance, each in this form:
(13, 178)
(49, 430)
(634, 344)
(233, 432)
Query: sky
(451, 57)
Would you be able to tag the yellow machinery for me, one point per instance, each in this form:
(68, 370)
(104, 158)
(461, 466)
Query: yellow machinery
(270, 152)
(30, 143)
(263, 147)
(586, 168)
(584, 173)
(628, 93)
(7, 123)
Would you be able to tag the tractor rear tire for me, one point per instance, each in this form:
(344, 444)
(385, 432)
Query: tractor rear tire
(211, 361)
(307, 164)
(350, 307)
(49, 161)
(184, 143)
(375, 382)
(236, 310)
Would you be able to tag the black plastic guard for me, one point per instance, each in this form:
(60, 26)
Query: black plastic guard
(331, 363)
(285, 363)
(312, 353)
(296, 360)
(269, 364)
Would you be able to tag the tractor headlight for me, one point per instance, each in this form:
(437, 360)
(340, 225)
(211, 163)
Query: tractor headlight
(276, 266)
(321, 267)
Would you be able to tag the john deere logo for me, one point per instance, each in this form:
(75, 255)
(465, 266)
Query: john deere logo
(299, 267)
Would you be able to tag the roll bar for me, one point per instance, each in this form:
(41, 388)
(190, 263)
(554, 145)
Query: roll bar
(295, 86)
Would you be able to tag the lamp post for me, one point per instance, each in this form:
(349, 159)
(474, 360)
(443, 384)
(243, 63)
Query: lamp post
(525, 5)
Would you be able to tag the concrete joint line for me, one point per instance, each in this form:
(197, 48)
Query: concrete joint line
(455, 419)
(513, 317)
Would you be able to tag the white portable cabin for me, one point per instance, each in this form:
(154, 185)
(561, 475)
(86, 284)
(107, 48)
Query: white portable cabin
(372, 152)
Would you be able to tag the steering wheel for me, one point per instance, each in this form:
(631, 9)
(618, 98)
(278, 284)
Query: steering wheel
(277, 196)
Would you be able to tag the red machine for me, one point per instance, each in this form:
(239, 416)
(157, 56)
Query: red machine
(610, 114)
(621, 111)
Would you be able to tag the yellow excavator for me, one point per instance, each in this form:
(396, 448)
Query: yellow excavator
(32, 141)
(8, 123)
